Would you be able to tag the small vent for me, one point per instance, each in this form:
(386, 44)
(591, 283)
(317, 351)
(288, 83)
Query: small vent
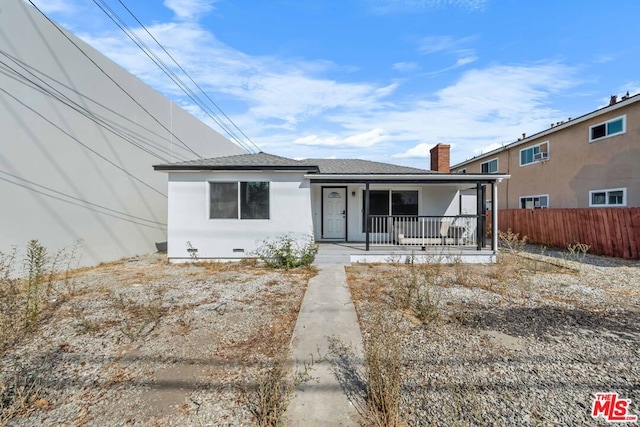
(236, 250)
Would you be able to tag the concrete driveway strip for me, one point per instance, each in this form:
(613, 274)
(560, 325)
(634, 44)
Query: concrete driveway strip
(327, 315)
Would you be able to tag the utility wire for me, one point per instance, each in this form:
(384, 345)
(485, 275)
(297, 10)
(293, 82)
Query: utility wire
(112, 79)
(159, 226)
(73, 197)
(54, 93)
(115, 125)
(83, 144)
(107, 10)
(189, 76)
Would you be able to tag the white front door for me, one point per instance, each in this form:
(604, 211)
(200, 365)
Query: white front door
(334, 209)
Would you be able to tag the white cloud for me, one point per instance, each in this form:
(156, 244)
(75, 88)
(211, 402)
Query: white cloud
(405, 67)
(277, 100)
(419, 151)
(405, 6)
(190, 9)
(56, 6)
(361, 140)
(434, 44)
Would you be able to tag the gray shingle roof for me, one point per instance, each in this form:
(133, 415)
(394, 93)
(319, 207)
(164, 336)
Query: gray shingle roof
(270, 162)
(239, 162)
(361, 167)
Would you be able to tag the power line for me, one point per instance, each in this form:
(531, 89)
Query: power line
(83, 144)
(168, 71)
(64, 99)
(189, 76)
(111, 78)
(73, 197)
(158, 227)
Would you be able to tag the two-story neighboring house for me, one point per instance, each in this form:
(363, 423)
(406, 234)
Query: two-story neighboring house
(588, 161)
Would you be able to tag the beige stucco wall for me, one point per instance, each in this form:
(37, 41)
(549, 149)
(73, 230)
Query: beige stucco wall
(575, 166)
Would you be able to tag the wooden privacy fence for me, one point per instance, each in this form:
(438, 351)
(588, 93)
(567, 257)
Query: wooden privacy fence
(608, 231)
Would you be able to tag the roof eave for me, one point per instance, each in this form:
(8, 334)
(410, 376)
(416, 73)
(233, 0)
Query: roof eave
(204, 168)
(409, 177)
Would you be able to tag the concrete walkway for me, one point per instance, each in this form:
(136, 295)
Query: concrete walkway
(328, 341)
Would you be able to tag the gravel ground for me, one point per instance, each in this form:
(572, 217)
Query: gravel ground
(145, 342)
(528, 341)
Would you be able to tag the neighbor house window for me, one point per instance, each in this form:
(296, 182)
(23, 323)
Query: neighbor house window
(534, 202)
(611, 197)
(489, 167)
(462, 171)
(239, 200)
(609, 128)
(536, 153)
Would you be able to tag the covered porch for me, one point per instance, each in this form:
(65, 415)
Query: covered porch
(422, 217)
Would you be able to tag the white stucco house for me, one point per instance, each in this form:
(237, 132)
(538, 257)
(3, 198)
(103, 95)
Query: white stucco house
(224, 207)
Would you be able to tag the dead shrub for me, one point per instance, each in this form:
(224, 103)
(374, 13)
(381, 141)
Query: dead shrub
(268, 400)
(383, 371)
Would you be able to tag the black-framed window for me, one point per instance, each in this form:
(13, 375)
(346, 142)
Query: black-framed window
(378, 205)
(385, 202)
(404, 202)
(243, 200)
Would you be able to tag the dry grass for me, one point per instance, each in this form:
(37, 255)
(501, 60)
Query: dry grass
(386, 296)
(129, 319)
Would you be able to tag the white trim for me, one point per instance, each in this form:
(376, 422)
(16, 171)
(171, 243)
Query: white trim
(542, 159)
(606, 192)
(431, 177)
(533, 196)
(623, 131)
(489, 161)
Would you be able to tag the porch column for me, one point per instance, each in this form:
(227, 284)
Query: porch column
(480, 218)
(366, 214)
(494, 216)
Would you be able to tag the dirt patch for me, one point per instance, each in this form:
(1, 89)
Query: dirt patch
(522, 342)
(143, 341)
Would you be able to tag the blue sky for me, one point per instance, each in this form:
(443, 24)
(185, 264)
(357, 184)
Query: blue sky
(382, 80)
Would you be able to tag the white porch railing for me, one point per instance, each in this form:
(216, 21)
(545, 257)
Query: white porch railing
(422, 231)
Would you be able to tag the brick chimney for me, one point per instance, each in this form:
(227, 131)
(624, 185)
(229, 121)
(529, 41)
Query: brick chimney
(440, 158)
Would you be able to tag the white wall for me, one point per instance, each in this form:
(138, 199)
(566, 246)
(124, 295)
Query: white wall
(290, 213)
(64, 177)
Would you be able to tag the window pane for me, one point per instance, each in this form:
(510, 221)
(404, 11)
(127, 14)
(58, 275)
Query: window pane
(404, 203)
(598, 131)
(378, 205)
(615, 197)
(493, 166)
(254, 198)
(524, 157)
(614, 127)
(598, 198)
(223, 200)
(544, 202)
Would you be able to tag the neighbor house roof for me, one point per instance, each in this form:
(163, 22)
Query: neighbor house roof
(264, 161)
(625, 101)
